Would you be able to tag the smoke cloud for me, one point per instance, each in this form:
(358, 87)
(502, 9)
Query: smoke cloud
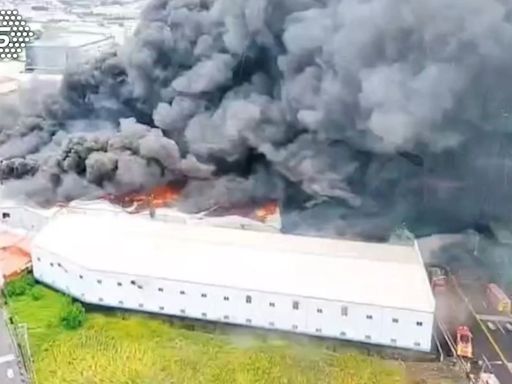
(358, 116)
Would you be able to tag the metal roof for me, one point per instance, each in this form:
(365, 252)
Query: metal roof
(59, 38)
(358, 272)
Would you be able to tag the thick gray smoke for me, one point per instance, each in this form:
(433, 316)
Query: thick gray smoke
(359, 115)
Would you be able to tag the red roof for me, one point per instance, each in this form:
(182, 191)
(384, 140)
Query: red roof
(14, 254)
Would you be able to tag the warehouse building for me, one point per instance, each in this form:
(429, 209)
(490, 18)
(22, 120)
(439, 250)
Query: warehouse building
(57, 50)
(30, 219)
(371, 293)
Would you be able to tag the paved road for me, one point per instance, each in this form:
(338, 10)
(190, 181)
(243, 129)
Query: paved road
(9, 368)
(494, 344)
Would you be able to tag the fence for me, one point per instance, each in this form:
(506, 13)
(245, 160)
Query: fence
(19, 337)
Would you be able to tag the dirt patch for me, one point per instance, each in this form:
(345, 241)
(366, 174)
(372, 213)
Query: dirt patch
(433, 373)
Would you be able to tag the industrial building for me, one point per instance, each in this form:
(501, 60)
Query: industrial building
(30, 219)
(365, 292)
(57, 50)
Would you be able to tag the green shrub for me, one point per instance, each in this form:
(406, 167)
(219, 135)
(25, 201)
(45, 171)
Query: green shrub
(36, 293)
(19, 287)
(72, 315)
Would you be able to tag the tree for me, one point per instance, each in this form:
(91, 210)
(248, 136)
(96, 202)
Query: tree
(36, 293)
(401, 235)
(20, 286)
(72, 315)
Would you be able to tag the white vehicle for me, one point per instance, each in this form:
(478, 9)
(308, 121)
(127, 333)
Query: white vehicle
(491, 325)
(487, 378)
(10, 373)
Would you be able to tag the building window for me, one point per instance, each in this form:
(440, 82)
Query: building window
(295, 305)
(204, 295)
(5, 215)
(182, 311)
(80, 276)
(272, 324)
(369, 317)
(295, 327)
(82, 295)
(417, 344)
(51, 265)
(141, 305)
(395, 320)
(119, 284)
(271, 304)
(160, 289)
(248, 299)
(161, 308)
(133, 282)
(343, 334)
(318, 330)
(248, 321)
(226, 317)
(419, 323)
(121, 302)
(100, 299)
(98, 281)
(319, 310)
(226, 298)
(393, 341)
(367, 337)
(139, 286)
(38, 259)
(344, 311)
(182, 292)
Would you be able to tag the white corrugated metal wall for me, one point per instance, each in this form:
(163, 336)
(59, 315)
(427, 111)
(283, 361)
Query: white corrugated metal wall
(352, 321)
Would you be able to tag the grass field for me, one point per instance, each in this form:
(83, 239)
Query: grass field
(137, 349)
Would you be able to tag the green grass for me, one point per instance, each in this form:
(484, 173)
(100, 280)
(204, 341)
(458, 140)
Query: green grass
(138, 349)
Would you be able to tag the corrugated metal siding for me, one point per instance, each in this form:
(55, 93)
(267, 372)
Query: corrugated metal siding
(324, 318)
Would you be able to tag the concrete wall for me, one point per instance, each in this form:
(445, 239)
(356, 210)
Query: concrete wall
(349, 321)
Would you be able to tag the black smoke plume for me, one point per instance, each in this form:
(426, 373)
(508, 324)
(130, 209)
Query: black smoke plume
(358, 115)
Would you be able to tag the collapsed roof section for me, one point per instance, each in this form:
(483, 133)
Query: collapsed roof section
(160, 204)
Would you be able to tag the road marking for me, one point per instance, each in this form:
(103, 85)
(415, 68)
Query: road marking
(496, 318)
(485, 304)
(7, 358)
(484, 328)
(500, 327)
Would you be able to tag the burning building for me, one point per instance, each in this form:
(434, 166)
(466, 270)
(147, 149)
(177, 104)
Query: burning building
(366, 292)
(158, 204)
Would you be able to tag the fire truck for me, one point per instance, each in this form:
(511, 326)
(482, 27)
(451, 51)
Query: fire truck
(464, 341)
(498, 299)
(438, 279)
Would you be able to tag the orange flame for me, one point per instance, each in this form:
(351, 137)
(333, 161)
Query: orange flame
(266, 211)
(157, 197)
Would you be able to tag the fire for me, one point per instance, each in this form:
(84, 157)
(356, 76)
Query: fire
(157, 197)
(266, 211)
